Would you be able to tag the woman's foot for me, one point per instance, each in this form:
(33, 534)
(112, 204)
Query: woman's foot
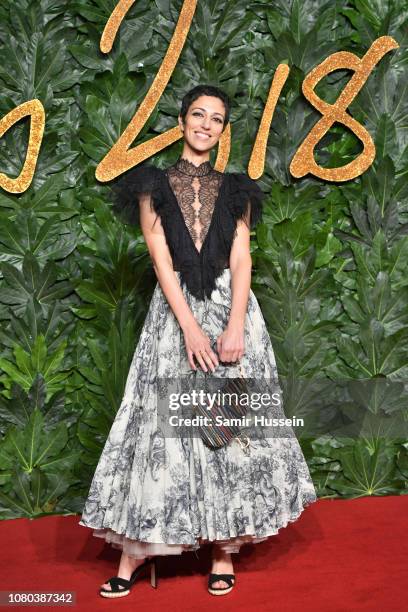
(221, 564)
(127, 565)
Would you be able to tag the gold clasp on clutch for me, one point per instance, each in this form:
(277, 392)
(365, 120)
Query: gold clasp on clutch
(243, 446)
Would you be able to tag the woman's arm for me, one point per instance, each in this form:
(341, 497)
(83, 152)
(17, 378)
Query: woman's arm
(230, 343)
(197, 342)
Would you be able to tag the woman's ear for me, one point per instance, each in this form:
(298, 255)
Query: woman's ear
(180, 121)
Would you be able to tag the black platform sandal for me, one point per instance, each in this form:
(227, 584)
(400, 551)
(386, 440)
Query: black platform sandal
(121, 587)
(228, 578)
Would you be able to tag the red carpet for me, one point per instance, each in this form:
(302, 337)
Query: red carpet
(340, 555)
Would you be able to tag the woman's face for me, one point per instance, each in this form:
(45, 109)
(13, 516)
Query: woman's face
(204, 123)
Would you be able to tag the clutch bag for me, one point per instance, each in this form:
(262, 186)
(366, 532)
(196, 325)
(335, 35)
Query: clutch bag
(216, 435)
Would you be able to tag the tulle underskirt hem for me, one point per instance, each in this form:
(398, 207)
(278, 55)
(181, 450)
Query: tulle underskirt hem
(140, 549)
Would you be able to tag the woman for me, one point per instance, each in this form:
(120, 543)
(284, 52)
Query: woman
(153, 494)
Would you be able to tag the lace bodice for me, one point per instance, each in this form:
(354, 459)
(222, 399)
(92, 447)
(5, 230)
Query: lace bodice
(199, 208)
(196, 189)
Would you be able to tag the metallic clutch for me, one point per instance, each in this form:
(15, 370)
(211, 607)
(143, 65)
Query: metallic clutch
(216, 435)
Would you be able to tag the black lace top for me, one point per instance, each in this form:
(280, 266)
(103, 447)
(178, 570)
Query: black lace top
(198, 208)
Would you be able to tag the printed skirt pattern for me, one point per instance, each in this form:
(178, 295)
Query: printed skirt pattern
(154, 494)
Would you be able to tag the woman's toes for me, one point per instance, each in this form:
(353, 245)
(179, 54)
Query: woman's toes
(220, 584)
(108, 587)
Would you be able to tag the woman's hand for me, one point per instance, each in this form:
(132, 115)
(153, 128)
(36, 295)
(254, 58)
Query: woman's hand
(198, 345)
(231, 343)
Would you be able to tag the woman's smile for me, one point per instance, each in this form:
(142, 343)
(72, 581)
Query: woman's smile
(202, 135)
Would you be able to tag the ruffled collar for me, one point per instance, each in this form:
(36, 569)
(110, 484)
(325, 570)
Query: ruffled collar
(187, 167)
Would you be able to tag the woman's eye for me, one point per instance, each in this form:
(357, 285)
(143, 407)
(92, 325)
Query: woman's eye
(198, 114)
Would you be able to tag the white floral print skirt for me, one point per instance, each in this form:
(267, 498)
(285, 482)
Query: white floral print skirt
(154, 494)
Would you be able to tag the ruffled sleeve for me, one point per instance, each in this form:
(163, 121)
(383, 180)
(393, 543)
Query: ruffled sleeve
(127, 192)
(245, 197)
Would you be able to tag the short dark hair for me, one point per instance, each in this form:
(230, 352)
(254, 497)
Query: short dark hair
(205, 90)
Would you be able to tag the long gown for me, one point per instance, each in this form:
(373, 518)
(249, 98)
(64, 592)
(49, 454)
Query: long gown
(155, 494)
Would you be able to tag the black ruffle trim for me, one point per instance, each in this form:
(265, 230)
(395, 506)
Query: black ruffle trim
(141, 179)
(243, 189)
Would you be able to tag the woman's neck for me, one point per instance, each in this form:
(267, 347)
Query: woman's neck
(195, 157)
(185, 166)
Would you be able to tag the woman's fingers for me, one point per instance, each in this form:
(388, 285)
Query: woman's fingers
(231, 356)
(199, 350)
(199, 357)
(190, 355)
(211, 359)
(234, 356)
(207, 357)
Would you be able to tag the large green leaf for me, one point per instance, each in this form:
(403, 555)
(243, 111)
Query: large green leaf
(365, 470)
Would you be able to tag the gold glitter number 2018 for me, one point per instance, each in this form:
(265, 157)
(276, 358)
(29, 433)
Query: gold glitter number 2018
(121, 157)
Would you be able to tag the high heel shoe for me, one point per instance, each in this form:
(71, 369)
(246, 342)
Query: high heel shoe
(116, 582)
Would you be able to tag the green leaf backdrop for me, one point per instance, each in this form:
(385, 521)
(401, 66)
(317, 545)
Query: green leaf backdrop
(330, 259)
